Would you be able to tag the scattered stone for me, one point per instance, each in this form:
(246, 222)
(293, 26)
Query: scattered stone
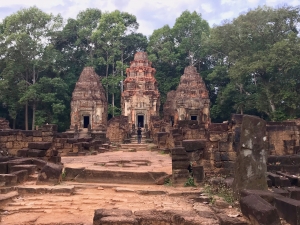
(50, 174)
(259, 211)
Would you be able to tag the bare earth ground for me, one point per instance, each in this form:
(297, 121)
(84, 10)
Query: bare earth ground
(78, 206)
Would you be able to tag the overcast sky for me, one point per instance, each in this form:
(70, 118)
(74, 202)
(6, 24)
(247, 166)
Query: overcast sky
(151, 14)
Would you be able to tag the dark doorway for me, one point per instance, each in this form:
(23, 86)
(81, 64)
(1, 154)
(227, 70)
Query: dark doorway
(140, 121)
(193, 117)
(86, 121)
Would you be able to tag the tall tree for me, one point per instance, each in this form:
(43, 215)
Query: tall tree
(251, 52)
(113, 29)
(26, 38)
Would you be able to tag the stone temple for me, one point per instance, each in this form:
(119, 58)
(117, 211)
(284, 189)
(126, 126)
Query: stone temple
(140, 98)
(89, 104)
(190, 101)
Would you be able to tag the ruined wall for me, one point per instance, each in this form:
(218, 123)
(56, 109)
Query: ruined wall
(140, 96)
(33, 143)
(118, 129)
(283, 138)
(88, 99)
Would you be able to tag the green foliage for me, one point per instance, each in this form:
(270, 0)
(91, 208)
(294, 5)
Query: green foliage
(190, 182)
(168, 182)
(220, 190)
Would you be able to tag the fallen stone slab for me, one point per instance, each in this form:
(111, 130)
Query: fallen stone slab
(151, 192)
(104, 216)
(288, 209)
(30, 168)
(226, 220)
(39, 145)
(39, 163)
(8, 179)
(292, 178)
(22, 175)
(15, 162)
(259, 211)
(163, 180)
(7, 196)
(34, 189)
(194, 145)
(294, 192)
(266, 195)
(50, 174)
(275, 179)
(280, 191)
(121, 189)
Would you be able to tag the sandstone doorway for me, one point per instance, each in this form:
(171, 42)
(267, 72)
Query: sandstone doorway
(140, 120)
(193, 117)
(86, 121)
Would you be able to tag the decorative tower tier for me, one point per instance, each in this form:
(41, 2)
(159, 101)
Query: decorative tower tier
(140, 98)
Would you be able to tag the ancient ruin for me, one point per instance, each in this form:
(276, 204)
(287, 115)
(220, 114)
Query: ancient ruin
(89, 104)
(140, 99)
(190, 101)
(97, 163)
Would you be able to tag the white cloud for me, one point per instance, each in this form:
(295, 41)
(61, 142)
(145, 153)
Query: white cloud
(207, 7)
(150, 14)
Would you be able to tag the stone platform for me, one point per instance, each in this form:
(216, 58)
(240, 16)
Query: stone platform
(142, 167)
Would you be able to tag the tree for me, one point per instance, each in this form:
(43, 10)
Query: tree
(251, 51)
(113, 29)
(26, 46)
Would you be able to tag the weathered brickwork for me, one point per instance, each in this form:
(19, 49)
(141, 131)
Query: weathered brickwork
(140, 98)
(89, 104)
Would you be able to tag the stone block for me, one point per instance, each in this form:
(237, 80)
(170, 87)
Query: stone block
(22, 175)
(224, 146)
(224, 156)
(40, 145)
(39, 163)
(259, 211)
(198, 173)
(9, 144)
(288, 209)
(50, 174)
(15, 162)
(218, 127)
(37, 133)
(55, 159)
(23, 152)
(36, 153)
(280, 191)
(47, 139)
(180, 165)
(3, 168)
(217, 157)
(294, 192)
(194, 145)
(275, 179)
(37, 139)
(218, 136)
(114, 217)
(30, 168)
(178, 151)
(8, 179)
(250, 166)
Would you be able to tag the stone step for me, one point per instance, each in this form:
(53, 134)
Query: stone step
(138, 147)
(7, 196)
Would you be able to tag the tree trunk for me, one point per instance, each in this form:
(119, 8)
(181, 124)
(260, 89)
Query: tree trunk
(34, 103)
(106, 74)
(14, 124)
(113, 94)
(33, 115)
(26, 116)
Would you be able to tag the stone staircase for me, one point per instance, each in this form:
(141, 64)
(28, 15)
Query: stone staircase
(133, 147)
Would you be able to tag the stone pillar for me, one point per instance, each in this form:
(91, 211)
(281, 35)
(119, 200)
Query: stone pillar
(250, 166)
